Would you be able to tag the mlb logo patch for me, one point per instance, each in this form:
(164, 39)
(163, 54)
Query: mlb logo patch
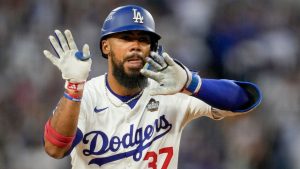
(152, 105)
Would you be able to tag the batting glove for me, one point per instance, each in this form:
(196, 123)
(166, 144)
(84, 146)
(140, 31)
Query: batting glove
(173, 77)
(74, 65)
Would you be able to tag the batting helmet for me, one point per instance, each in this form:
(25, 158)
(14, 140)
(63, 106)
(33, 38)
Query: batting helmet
(129, 18)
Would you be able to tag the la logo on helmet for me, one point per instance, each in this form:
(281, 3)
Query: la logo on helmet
(137, 16)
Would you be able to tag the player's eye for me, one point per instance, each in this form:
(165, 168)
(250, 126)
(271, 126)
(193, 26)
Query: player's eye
(126, 37)
(144, 39)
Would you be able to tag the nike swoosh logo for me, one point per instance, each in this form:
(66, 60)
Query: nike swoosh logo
(99, 110)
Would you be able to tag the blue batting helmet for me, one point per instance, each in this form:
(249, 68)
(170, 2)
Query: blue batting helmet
(129, 18)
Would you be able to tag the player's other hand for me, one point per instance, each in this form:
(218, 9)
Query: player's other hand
(74, 64)
(173, 77)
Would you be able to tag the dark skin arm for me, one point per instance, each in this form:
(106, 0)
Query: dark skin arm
(63, 121)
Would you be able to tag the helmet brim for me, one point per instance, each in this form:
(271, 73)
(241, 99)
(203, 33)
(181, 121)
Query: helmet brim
(154, 36)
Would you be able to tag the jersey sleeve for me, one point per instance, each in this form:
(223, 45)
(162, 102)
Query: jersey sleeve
(189, 108)
(197, 108)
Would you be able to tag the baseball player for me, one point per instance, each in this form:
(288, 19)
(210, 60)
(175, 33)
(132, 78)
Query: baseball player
(132, 116)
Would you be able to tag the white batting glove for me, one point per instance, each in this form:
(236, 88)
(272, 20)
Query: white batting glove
(74, 65)
(172, 76)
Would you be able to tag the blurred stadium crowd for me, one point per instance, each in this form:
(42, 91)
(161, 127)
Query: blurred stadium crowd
(253, 40)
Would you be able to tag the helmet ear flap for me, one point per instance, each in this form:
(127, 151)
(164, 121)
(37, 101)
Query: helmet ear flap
(154, 46)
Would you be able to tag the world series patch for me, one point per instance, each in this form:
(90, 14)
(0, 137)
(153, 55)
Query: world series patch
(152, 105)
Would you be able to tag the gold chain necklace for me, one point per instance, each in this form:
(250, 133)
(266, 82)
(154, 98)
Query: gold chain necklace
(128, 101)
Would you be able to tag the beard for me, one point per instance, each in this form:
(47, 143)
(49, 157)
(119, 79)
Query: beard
(133, 79)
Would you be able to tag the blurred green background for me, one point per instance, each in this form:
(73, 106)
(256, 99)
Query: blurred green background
(253, 40)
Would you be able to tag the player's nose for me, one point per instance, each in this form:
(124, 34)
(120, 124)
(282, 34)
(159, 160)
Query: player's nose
(135, 46)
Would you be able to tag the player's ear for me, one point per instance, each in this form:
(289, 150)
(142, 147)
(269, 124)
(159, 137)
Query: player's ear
(105, 46)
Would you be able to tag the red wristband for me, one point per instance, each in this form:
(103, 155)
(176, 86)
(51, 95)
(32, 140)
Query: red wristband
(76, 86)
(56, 138)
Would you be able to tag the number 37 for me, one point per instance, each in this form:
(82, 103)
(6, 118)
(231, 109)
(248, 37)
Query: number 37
(153, 155)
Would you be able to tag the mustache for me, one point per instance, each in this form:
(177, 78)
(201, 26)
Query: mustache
(135, 56)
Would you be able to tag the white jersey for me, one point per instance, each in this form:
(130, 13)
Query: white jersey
(146, 136)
